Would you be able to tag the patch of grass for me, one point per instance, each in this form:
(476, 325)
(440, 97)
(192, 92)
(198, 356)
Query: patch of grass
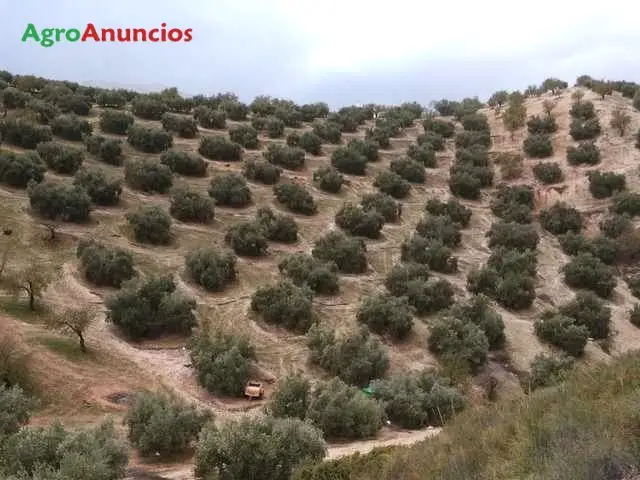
(66, 347)
(19, 308)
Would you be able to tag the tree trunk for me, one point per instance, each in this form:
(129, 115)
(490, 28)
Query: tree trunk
(32, 299)
(83, 347)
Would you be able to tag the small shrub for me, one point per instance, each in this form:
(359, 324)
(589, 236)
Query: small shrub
(423, 154)
(588, 310)
(107, 150)
(70, 127)
(634, 315)
(151, 224)
(328, 179)
(513, 235)
(382, 203)
(392, 184)
(605, 184)
(148, 176)
(17, 170)
(459, 341)
(221, 362)
(219, 148)
(184, 163)
(284, 304)
(584, 129)
(292, 158)
(246, 136)
(355, 359)
(542, 125)
(230, 189)
(408, 169)
(60, 158)
(476, 122)
(277, 228)
(23, 133)
(587, 271)
(626, 203)
(582, 110)
(104, 266)
(148, 108)
(441, 127)
(348, 253)
(561, 218)
(149, 139)
(295, 197)
(475, 155)
(538, 146)
(210, 118)
(365, 147)
(102, 189)
(478, 312)
(150, 308)
(430, 252)
(441, 228)
(432, 140)
(247, 238)
(358, 221)
(349, 161)
(274, 127)
(548, 370)
(615, 225)
(562, 332)
(451, 208)
(387, 314)
(291, 399)
(513, 203)
(211, 268)
(548, 173)
(401, 274)
(328, 131)
(303, 269)
(154, 413)
(308, 141)
(115, 122)
(468, 138)
(55, 201)
(263, 172)
(188, 205)
(586, 153)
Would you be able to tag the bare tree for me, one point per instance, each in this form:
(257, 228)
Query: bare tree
(74, 320)
(620, 120)
(32, 280)
(548, 106)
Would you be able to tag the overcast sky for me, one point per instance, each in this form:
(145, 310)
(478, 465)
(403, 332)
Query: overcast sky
(338, 51)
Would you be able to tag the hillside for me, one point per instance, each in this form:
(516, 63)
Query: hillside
(81, 389)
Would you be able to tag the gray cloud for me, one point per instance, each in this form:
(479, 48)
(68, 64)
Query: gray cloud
(252, 49)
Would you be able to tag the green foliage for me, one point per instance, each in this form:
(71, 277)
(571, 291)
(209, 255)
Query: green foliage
(184, 163)
(148, 175)
(291, 399)
(16, 407)
(277, 228)
(451, 208)
(151, 224)
(330, 132)
(475, 122)
(188, 205)
(583, 110)
(414, 401)
(328, 179)
(159, 425)
(268, 448)
(296, 198)
(466, 139)
(356, 358)
(149, 139)
(23, 133)
(211, 268)
(216, 147)
(620, 121)
(358, 221)
(410, 170)
(111, 99)
(102, 189)
(538, 146)
(382, 203)
(261, 171)
(401, 274)
(349, 160)
(423, 154)
(103, 265)
(588, 310)
(563, 332)
(150, 308)
(392, 184)
(45, 111)
(455, 340)
(246, 136)
(221, 361)
(55, 201)
(586, 153)
(367, 148)
(108, 150)
(60, 158)
(634, 315)
(548, 370)
(589, 272)
(538, 125)
(441, 228)
(291, 158)
(439, 126)
(210, 118)
(115, 122)
(284, 304)
(17, 170)
(478, 311)
(605, 184)
(247, 238)
(548, 172)
(513, 235)
(615, 225)
(234, 110)
(230, 189)
(432, 140)
(431, 252)
(308, 141)
(387, 314)
(626, 203)
(274, 127)
(561, 218)
(584, 129)
(13, 98)
(70, 127)
(148, 108)
(303, 269)
(513, 203)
